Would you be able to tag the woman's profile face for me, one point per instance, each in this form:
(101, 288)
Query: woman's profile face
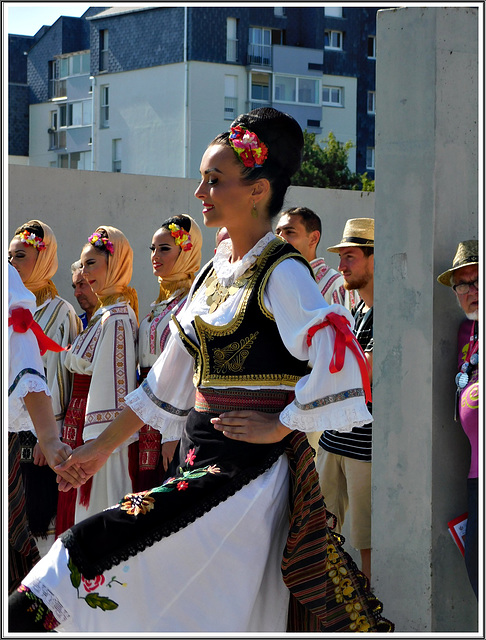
(94, 265)
(163, 253)
(226, 198)
(23, 257)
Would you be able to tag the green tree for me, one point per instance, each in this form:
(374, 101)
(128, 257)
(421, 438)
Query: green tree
(327, 166)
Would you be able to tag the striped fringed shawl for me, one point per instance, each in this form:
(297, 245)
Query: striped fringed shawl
(327, 591)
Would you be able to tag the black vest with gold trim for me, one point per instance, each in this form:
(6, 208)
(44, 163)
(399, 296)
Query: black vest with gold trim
(248, 351)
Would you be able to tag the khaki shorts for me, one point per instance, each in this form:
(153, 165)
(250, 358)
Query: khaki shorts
(346, 483)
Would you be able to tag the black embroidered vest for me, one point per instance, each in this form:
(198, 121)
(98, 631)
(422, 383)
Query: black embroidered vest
(248, 351)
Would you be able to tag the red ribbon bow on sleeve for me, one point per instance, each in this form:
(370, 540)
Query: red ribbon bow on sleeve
(21, 320)
(344, 338)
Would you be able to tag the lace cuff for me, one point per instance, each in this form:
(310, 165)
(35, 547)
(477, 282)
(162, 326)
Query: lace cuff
(341, 412)
(18, 416)
(162, 416)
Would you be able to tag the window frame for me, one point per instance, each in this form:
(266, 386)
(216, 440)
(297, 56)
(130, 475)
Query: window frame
(297, 89)
(331, 46)
(372, 38)
(332, 103)
(371, 95)
(104, 106)
(370, 152)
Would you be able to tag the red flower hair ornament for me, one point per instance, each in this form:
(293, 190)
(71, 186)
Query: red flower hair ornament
(250, 149)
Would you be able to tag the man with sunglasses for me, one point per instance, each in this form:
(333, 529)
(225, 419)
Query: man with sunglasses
(463, 279)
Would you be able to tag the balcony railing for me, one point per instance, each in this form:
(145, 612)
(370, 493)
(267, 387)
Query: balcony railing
(57, 89)
(57, 139)
(260, 54)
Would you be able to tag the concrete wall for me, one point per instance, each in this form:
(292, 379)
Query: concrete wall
(74, 203)
(426, 202)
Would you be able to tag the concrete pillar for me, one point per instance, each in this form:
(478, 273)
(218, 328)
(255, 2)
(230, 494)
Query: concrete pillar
(426, 202)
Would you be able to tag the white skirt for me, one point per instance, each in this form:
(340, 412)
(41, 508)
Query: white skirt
(221, 573)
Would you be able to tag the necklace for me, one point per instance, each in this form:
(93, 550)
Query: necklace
(217, 293)
(467, 367)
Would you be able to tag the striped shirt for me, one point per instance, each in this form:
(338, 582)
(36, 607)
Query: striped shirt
(356, 443)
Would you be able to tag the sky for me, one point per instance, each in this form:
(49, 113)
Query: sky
(26, 18)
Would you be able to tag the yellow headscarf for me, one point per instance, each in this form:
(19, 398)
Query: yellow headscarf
(119, 273)
(186, 265)
(39, 281)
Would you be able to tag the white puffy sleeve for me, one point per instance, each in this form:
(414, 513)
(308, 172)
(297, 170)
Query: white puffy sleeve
(166, 396)
(323, 400)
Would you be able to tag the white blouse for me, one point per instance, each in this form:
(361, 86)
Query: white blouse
(106, 351)
(25, 367)
(296, 303)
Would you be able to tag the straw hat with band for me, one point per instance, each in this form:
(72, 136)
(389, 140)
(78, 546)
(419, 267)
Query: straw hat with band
(358, 232)
(467, 254)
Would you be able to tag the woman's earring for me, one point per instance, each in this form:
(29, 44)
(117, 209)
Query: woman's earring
(254, 211)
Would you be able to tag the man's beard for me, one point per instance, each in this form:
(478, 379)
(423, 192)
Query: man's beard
(356, 283)
(474, 315)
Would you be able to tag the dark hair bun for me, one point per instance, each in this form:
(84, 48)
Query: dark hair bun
(33, 227)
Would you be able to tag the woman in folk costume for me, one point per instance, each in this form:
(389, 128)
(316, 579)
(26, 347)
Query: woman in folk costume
(104, 361)
(234, 380)
(33, 252)
(176, 257)
(29, 409)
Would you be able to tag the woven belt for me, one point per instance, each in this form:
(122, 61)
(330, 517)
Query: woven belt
(218, 400)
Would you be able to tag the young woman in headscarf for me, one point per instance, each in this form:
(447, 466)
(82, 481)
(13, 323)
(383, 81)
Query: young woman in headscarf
(33, 253)
(104, 360)
(176, 257)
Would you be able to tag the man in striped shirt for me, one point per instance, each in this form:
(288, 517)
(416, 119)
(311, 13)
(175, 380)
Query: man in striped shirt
(344, 459)
(302, 228)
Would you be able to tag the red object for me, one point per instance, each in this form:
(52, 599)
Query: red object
(21, 320)
(344, 338)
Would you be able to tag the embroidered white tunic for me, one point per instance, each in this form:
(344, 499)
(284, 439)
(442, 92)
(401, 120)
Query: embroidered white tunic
(106, 351)
(244, 535)
(59, 321)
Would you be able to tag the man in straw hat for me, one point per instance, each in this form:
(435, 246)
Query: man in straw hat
(462, 277)
(344, 459)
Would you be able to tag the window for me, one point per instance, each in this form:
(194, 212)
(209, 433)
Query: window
(103, 49)
(105, 106)
(80, 160)
(260, 46)
(371, 102)
(333, 39)
(230, 97)
(333, 12)
(79, 113)
(370, 158)
(371, 46)
(231, 40)
(260, 90)
(332, 96)
(62, 115)
(74, 65)
(296, 89)
(116, 155)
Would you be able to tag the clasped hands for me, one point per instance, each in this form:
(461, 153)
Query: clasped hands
(246, 425)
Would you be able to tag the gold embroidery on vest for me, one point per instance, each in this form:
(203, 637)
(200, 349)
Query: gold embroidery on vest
(232, 358)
